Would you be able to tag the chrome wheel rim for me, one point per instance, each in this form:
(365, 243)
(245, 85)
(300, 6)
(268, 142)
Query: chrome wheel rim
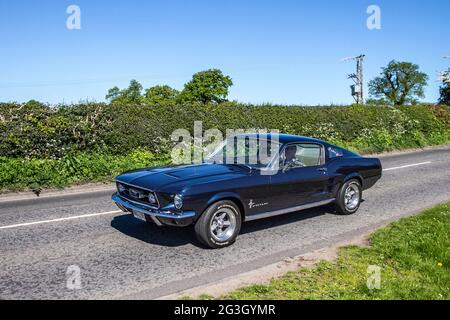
(223, 224)
(351, 196)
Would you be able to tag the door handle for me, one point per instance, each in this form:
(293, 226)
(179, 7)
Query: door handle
(323, 170)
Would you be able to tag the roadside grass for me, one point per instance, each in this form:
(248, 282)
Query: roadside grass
(413, 255)
(37, 174)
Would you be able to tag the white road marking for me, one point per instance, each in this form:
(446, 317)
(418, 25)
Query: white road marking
(59, 219)
(408, 166)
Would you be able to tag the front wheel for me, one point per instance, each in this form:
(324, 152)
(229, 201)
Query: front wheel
(349, 197)
(219, 225)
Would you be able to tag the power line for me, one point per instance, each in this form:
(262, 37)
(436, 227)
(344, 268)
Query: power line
(82, 81)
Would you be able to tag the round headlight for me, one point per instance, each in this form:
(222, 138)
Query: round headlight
(178, 201)
(120, 188)
(151, 198)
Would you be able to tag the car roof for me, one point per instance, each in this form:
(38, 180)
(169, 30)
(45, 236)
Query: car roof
(282, 138)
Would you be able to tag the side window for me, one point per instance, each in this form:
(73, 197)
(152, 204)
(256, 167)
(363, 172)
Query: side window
(302, 155)
(334, 153)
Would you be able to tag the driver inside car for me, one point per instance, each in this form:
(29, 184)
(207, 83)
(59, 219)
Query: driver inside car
(290, 160)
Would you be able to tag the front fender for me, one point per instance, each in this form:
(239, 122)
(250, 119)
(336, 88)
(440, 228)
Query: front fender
(228, 196)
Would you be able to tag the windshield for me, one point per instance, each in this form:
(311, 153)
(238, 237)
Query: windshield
(253, 152)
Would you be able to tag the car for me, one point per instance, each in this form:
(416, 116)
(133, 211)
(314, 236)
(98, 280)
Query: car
(290, 174)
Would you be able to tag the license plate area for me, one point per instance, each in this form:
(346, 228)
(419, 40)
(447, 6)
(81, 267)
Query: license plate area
(139, 215)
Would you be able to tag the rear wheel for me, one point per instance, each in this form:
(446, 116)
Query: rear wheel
(219, 225)
(349, 197)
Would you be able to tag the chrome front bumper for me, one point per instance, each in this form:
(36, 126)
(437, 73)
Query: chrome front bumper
(157, 215)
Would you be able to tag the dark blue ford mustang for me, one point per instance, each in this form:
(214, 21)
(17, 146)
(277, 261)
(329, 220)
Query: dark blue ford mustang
(290, 173)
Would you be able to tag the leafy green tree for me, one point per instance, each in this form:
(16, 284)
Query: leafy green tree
(130, 95)
(399, 83)
(161, 95)
(206, 87)
(445, 94)
(35, 104)
(133, 92)
(113, 94)
(445, 88)
(376, 102)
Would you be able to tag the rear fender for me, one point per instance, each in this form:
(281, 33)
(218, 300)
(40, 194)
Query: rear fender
(354, 175)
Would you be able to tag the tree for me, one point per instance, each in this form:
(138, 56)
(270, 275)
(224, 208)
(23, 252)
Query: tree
(132, 94)
(445, 94)
(206, 87)
(399, 83)
(445, 88)
(161, 95)
(376, 102)
(113, 94)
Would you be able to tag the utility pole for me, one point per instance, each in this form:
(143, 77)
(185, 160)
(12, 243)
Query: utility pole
(358, 87)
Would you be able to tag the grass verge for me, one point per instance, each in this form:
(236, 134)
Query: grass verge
(412, 255)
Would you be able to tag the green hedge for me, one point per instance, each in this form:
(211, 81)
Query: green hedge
(34, 130)
(45, 145)
(35, 174)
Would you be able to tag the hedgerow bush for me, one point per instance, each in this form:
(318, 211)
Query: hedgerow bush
(35, 174)
(59, 145)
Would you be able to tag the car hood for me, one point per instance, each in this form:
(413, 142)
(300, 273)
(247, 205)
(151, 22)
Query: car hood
(177, 177)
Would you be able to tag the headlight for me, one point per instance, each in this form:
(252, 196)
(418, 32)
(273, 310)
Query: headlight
(178, 201)
(120, 188)
(151, 198)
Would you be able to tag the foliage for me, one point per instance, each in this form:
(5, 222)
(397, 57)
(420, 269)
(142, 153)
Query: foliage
(399, 83)
(161, 95)
(35, 130)
(412, 254)
(39, 135)
(18, 174)
(444, 94)
(132, 94)
(444, 90)
(445, 76)
(210, 86)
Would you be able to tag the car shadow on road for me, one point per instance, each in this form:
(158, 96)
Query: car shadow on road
(151, 233)
(175, 237)
(257, 225)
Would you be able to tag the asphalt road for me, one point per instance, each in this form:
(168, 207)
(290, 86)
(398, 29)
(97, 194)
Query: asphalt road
(121, 257)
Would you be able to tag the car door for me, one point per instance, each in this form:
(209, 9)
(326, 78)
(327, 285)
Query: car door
(303, 182)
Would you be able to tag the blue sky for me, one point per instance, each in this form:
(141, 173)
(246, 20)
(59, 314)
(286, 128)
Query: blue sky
(285, 51)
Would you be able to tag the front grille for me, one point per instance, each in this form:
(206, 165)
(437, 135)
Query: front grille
(137, 194)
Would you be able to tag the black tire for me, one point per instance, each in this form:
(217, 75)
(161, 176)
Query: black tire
(210, 219)
(346, 205)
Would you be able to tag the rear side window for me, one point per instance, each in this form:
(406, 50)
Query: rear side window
(309, 154)
(302, 155)
(334, 152)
